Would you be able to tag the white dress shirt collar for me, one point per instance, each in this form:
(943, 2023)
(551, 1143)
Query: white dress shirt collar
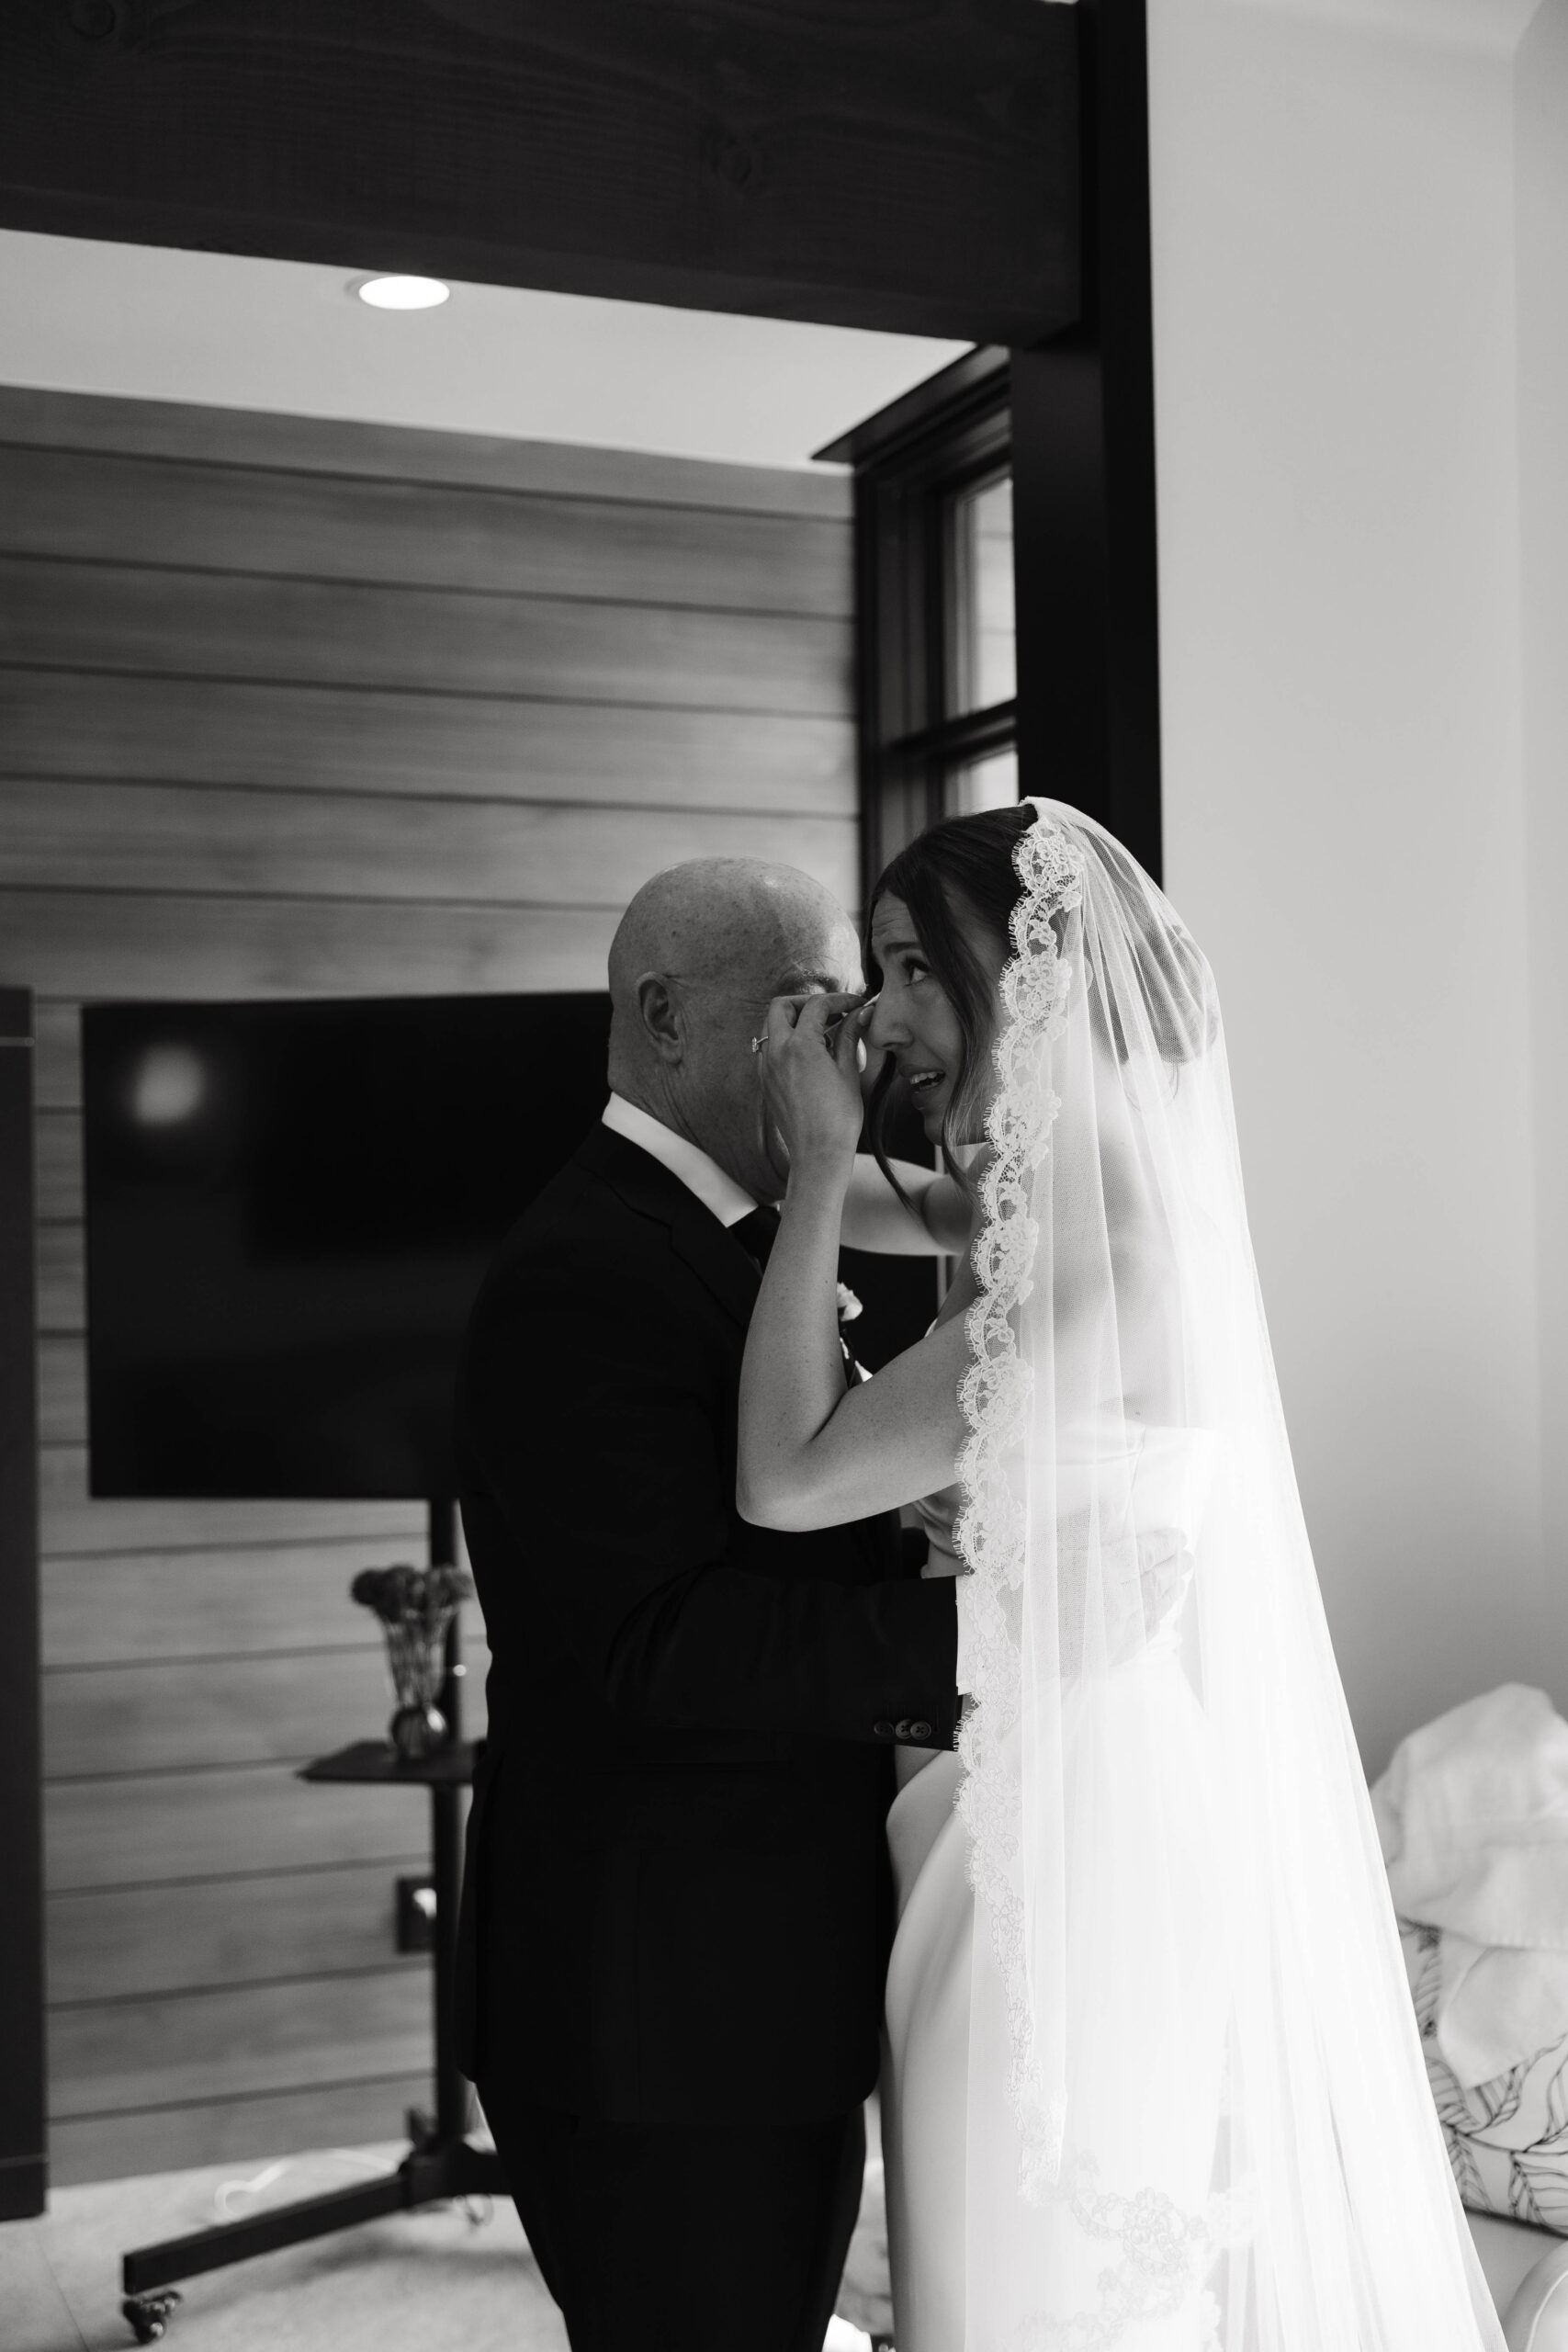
(699, 1174)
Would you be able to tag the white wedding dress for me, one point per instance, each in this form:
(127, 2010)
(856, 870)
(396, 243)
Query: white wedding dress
(1153, 2080)
(938, 2097)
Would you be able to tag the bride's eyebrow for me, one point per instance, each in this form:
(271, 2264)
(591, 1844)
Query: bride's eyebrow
(901, 947)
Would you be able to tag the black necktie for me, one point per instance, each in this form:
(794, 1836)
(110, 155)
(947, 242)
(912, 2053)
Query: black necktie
(756, 1234)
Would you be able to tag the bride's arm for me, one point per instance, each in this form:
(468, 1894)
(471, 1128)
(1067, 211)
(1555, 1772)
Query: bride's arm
(936, 1222)
(806, 1461)
(813, 1454)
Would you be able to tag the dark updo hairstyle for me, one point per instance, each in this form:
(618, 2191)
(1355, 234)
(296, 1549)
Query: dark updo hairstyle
(965, 866)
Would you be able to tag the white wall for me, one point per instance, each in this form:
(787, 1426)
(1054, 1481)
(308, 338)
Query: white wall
(1540, 74)
(1338, 420)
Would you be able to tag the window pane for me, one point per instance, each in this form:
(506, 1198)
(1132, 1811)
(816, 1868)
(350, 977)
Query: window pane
(987, 783)
(981, 661)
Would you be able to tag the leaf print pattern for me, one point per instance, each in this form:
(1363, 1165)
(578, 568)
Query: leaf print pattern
(1507, 2139)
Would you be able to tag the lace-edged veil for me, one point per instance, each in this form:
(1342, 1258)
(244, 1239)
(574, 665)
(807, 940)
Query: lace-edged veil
(1185, 1960)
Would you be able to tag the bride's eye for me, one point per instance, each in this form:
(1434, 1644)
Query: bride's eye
(915, 972)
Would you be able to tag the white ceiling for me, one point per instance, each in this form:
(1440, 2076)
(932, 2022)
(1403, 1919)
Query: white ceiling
(149, 323)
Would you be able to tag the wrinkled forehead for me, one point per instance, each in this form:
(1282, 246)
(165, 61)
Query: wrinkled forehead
(889, 921)
(892, 926)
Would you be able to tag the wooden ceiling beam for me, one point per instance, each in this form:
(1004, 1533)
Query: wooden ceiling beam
(905, 164)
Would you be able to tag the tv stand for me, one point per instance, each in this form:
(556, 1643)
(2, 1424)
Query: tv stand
(442, 2161)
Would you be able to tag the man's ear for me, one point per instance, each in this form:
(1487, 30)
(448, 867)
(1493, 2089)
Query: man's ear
(662, 1016)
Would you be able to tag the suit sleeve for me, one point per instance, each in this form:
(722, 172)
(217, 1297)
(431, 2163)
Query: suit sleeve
(595, 1423)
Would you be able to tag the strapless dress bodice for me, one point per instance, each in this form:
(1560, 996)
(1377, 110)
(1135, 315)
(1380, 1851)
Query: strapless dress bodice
(1157, 1485)
(1132, 1509)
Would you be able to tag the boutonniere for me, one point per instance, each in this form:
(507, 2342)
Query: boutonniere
(848, 1307)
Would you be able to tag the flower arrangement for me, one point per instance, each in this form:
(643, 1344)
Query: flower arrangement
(415, 1607)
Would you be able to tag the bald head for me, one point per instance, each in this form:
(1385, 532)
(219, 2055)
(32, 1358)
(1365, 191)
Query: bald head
(695, 959)
(724, 921)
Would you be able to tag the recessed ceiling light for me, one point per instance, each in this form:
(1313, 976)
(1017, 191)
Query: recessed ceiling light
(402, 293)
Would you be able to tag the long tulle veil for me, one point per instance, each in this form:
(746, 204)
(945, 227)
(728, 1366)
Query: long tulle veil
(1217, 2134)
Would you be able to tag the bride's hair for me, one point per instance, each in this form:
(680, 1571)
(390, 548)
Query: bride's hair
(964, 865)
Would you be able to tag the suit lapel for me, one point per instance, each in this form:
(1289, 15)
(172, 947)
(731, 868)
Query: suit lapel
(719, 1263)
(698, 1237)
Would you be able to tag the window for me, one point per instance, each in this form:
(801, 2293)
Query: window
(933, 527)
(979, 609)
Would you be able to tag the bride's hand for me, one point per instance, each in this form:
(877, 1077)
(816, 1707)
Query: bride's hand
(811, 1077)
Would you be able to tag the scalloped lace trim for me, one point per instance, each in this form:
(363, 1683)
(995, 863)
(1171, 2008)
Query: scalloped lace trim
(994, 1397)
(1164, 2250)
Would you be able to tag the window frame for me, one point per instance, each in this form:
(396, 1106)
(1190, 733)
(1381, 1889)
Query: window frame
(951, 434)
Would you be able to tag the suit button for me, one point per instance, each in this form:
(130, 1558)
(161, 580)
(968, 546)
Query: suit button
(919, 1730)
(883, 1730)
(902, 1727)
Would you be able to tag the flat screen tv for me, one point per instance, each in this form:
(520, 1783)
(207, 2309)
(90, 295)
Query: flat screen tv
(290, 1208)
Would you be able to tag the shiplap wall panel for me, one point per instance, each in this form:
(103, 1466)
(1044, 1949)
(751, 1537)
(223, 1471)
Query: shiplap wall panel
(57, 1168)
(227, 2042)
(206, 1604)
(232, 2130)
(62, 1390)
(57, 1045)
(294, 707)
(157, 944)
(210, 840)
(66, 503)
(279, 1707)
(61, 1278)
(282, 1707)
(291, 1924)
(211, 732)
(165, 1827)
(48, 420)
(75, 1521)
(235, 625)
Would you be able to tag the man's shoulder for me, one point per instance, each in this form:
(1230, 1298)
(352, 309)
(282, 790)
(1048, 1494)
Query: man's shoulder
(612, 1224)
(580, 1217)
(574, 1263)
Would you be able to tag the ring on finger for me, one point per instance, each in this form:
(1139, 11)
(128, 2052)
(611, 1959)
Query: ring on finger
(758, 1043)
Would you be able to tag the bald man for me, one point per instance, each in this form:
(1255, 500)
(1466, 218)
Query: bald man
(677, 1909)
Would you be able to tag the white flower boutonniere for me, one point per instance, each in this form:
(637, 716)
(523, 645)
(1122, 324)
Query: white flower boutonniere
(848, 1307)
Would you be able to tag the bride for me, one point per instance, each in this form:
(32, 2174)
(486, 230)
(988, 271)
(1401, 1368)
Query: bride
(1152, 2073)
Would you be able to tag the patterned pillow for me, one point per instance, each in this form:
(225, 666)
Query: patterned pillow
(1507, 2139)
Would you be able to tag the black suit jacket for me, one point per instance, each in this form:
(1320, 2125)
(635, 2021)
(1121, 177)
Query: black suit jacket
(677, 1899)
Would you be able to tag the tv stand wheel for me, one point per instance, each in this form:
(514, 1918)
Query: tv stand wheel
(149, 2314)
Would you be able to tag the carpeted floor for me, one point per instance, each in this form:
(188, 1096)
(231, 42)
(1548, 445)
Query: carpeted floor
(439, 2278)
